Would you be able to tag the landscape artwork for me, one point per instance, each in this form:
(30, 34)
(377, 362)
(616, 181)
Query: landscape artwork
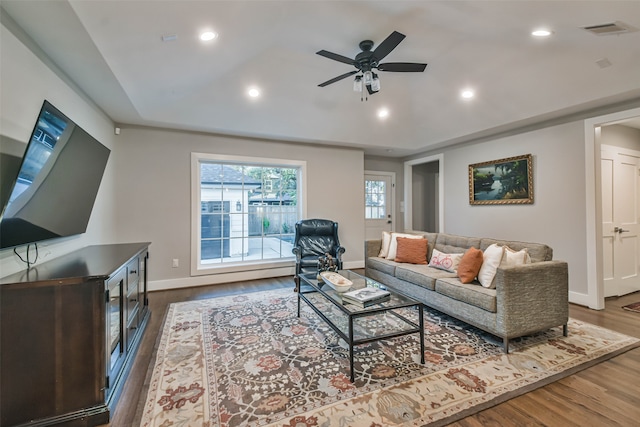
(504, 181)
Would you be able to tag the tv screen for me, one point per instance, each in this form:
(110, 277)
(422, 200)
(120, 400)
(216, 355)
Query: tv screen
(53, 193)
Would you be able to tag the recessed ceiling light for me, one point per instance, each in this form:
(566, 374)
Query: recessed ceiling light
(467, 93)
(253, 92)
(208, 35)
(383, 113)
(541, 32)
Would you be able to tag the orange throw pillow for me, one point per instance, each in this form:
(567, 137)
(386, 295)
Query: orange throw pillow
(470, 265)
(412, 251)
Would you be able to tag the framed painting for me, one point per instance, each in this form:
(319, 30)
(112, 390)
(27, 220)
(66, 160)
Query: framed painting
(502, 182)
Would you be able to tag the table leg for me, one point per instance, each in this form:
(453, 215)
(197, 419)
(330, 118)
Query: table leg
(421, 321)
(351, 348)
(298, 304)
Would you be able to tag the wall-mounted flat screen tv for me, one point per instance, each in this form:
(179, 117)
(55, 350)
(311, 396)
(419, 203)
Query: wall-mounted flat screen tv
(53, 192)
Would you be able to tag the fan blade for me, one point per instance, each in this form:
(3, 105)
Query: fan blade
(388, 45)
(335, 79)
(402, 67)
(336, 57)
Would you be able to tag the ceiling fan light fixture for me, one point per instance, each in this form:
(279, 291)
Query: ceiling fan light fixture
(357, 84)
(375, 83)
(368, 78)
(368, 60)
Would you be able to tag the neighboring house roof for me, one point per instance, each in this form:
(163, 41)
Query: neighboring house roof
(213, 173)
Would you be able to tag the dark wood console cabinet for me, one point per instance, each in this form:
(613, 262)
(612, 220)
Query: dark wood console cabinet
(69, 331)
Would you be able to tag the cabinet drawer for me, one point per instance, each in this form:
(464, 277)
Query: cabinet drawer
(133, 271)
(133, 274)
(132, 303)
(132, 330)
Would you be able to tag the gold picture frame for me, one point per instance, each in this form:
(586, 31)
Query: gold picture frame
(502, 182)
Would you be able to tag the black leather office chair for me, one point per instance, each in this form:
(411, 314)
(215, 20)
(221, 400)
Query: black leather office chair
(315, 238)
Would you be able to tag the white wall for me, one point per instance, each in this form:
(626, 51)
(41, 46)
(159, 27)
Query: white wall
(621, 136)
(25, 82)
(557, 217)
(154, 204)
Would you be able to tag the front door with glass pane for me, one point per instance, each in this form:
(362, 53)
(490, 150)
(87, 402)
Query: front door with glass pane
(378, 204)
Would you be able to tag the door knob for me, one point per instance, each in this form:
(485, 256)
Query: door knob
(619, 230)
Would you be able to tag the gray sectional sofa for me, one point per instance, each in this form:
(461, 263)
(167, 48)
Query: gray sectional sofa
(526, 299)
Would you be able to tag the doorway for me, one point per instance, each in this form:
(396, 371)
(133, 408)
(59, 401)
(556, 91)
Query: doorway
(620, 179)
(426, 174)
(380, 196)
(595, 255)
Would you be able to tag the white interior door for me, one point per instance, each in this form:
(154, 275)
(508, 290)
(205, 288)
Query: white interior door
(620, 228)
(379, 195)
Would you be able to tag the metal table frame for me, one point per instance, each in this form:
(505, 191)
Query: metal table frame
(309, 284)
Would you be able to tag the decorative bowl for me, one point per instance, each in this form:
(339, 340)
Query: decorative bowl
(336, 281)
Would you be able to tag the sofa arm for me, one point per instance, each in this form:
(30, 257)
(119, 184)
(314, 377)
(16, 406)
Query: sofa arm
(372, 247)
(532, 297)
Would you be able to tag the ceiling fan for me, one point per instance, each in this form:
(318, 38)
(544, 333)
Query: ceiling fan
(368, 60)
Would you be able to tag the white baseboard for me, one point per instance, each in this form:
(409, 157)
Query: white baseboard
(580, 299)
(214, 279)
(239, 276)
(353, 265)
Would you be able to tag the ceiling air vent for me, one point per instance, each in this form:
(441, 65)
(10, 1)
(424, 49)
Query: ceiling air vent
(609, 29)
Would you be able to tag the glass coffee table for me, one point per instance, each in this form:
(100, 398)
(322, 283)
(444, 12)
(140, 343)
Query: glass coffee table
(358, 325)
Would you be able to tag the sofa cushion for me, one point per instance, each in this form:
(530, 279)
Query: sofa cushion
(383, 265)
(475, 295)
(452, 244)
(470, 264)
(421, 275)
(412, 251)
(537, 251)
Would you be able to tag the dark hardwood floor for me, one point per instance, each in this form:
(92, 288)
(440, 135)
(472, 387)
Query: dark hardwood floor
(607, 394)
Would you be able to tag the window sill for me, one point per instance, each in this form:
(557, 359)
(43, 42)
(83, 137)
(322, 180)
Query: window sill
(209, 269)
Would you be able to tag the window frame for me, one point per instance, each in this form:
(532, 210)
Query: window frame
(197, 267)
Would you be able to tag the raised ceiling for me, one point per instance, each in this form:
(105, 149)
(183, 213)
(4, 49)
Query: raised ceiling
(114, 51)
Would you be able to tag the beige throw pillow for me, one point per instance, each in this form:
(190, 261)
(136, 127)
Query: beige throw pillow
(386, 241)
(491, 260)
(511, 257)
(393, 247)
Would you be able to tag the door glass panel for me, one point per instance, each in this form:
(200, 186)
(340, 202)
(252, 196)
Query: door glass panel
(375, 199)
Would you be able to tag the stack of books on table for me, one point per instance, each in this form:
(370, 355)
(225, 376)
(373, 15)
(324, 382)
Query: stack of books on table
(365, 297)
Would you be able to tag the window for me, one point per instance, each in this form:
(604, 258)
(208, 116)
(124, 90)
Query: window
(245, 210)
(375, 199)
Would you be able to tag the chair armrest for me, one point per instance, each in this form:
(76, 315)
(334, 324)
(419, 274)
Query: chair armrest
(532, 297)
(298, 253)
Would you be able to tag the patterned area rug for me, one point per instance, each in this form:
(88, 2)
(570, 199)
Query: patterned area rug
(635, 307)
(250, 361)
